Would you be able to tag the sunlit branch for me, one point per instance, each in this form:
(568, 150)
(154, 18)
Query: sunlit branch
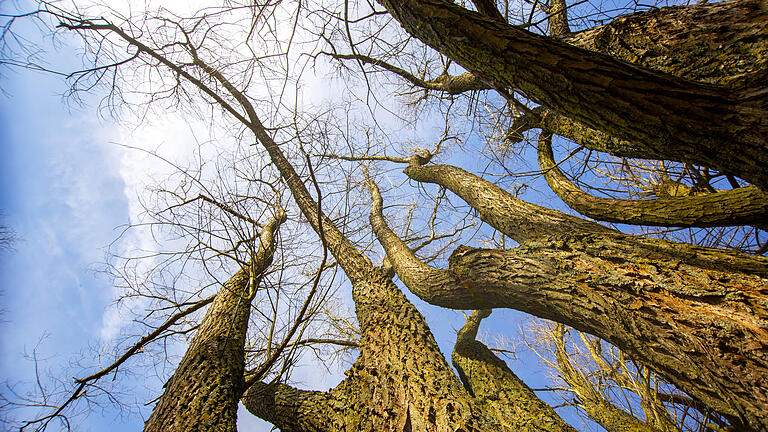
(742, 206)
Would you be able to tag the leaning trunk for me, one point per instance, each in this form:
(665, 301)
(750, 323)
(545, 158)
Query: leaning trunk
(203, 392)
(697, 316)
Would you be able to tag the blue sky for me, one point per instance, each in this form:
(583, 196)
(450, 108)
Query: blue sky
(67, 188)
(62, 193)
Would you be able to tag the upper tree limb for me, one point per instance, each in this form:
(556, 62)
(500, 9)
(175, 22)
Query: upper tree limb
(742, 206)
(514, 217)
(673, 118)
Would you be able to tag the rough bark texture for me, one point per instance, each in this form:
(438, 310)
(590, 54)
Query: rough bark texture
(593, 139)
(430, 284)
(489, 9)
(697, 316)
(203, 392)
(717, 126)
(721, 43)
(741, 206)
(497, 388)
(558, 18)
(400, 382)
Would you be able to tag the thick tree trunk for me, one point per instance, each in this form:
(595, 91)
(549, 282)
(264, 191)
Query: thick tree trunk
(721, 43)
(675, 119)
(741, 206)
(497, 388)
(697, 316)
(203, 392)
(400, 382)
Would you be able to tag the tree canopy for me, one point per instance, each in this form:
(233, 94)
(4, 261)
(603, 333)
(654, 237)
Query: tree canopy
(422, 143)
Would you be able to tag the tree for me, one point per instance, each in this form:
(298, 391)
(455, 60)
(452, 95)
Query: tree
(6, 238)
(203, 392)
(695, 315)
(641, 105)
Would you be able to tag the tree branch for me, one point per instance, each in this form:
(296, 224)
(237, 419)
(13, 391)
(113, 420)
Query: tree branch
(742, 206)
(600, 409)
(682, 120)
(451, 84)
(514, 217)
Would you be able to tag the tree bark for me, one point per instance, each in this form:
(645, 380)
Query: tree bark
(497, 388)
(676, 119)
(399, 382)
(721, 43)
(558, 18)
(203, 392)
(489, 9)
(697, 316)
(741, 206)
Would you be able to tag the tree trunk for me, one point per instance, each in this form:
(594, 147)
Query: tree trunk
(203, 392)
(400, 381)
(721, 43)
(720, 126)
(697, 316)
(497, 388)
